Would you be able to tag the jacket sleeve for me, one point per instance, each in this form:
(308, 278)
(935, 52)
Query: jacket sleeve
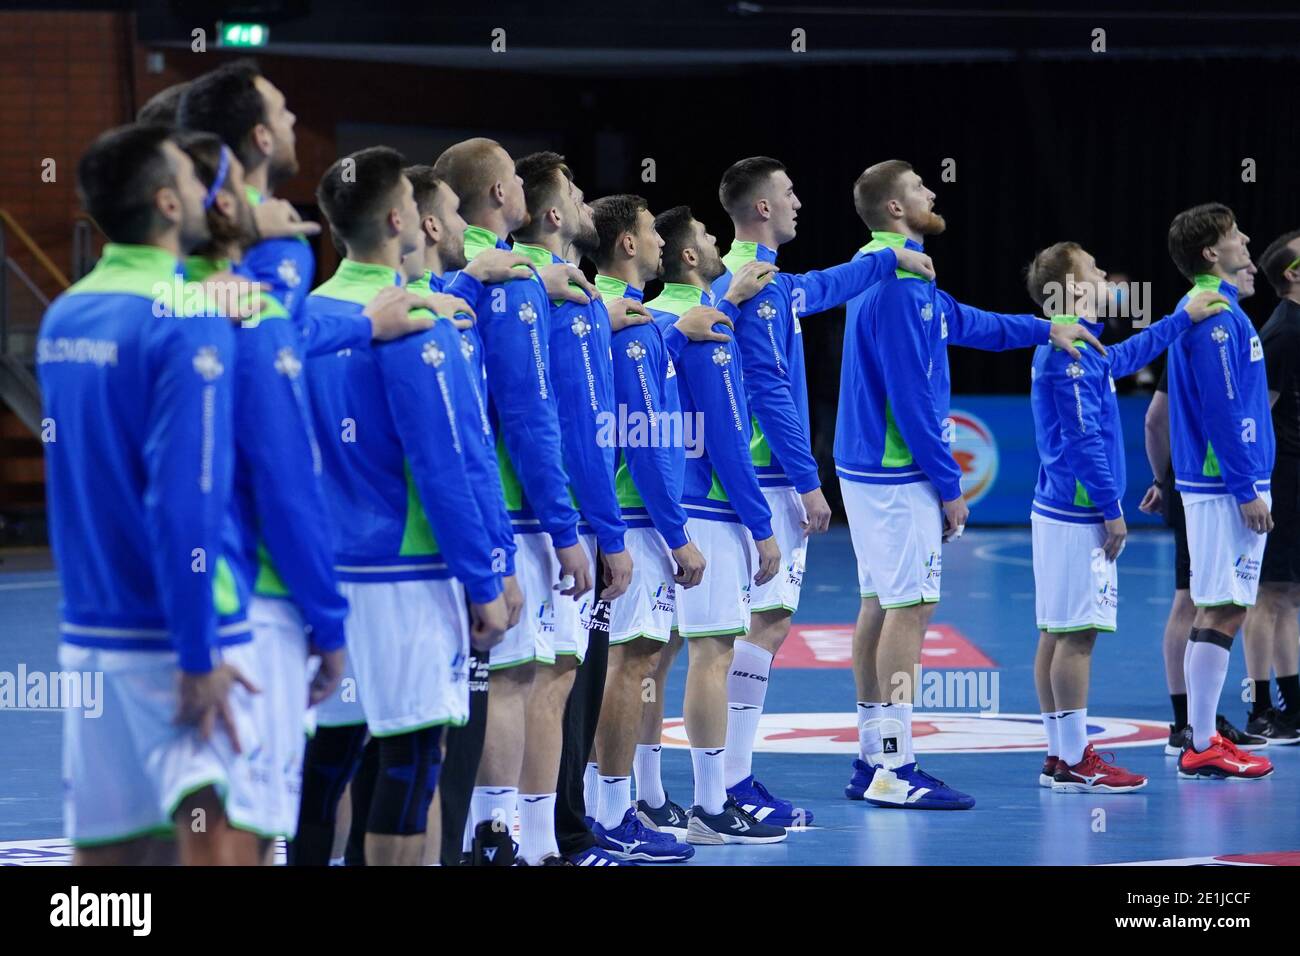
(638, 385)
(516, 354)
(480, 458)
(1078, 397)
(288, 268)
(991, 331)
(824, 289)
(721, 399)
(275, 440)
(901, 337)
(590, 466)
(465, 286)
(760, 335)
(423, 403)
(1216, 371)
(189, 457)
(1138, 351)
(331, 325)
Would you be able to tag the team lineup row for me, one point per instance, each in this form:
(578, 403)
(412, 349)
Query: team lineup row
(409, 460)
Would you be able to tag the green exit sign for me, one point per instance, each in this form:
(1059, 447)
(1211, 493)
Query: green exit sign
(243, 34)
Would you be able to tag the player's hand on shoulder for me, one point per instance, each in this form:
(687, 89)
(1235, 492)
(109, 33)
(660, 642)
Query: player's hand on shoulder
(499, 265)
(769, 559)
(390, 316)
(909, 260)
(697, 324)
(749, 280)
(1066, 335)
(1205, 304)
(567, 283)
(277, 219)
(624, 312)
(449, 306)
(690, 565)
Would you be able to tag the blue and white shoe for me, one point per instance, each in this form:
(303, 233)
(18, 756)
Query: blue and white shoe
(755, 799)
(861, 780)
(732, 825)
(670, 818)
(595, 856)
(910, 788)
(633, 840)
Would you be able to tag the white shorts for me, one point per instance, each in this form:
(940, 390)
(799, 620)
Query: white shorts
(126, 765)
(897, 535)
(1225, 553)
(719, 604)
(1075, 587)
(551, 623)
(276, 662)
(788, 515)
(646, 609)
(341, 708)
(408, 642)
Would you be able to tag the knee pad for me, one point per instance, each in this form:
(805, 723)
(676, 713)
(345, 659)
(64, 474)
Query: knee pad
(408, 776)
(331, 759)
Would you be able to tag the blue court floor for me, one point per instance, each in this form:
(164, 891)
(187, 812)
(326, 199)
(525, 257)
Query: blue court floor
(988, 598)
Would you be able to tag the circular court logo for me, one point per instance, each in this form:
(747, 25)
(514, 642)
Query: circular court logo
(933, 733)
(976, 451)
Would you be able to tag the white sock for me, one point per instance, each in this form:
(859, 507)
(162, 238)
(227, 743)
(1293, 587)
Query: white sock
(497, 806)
(747, 682)
(1072, 731)
(1052, 733)
(1207, 666)
(868, 731)
(589, 792)
(537, 827)
(615, 796)
(649, 785)
(340, 861)
(709, 765)
(896, 735)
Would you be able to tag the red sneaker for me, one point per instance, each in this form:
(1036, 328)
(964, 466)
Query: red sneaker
(1222, 760)
(1095, 774)
(1049, 771)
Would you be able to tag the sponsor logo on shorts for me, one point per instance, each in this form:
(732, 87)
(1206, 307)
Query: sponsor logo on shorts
(934, 566)
(665, 597)
(1107, 596)
(546, 614)
(1245, 568)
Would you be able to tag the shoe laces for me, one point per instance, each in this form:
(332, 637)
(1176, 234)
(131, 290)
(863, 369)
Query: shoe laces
(761, 790)
(1099, 759)
(740, 811)
(1232, 749)
(929, 778)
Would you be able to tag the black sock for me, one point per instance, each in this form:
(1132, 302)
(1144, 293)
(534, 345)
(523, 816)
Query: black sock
(1180, 710)
(1288, 689)
(1263, 699)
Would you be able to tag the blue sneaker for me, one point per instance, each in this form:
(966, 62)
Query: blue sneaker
(670, 818)
(862, 774)
(732, 825)
(595, 856)
(755, 799)
(633, 840)
(910, 788)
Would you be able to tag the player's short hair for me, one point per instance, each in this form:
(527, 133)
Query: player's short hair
(542, 173)
(876, 186)
(674, 228)
(1050, 268)
(743, 178)
(162, 107)
(354, 203)
(1192, 231)
(204, 150)
(468, 171)
(614, 215)
(1276, 258)
(226, 101)
(118, 177)
(425, 183)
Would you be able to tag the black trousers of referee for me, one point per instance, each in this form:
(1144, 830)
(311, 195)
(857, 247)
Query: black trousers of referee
(581, 714)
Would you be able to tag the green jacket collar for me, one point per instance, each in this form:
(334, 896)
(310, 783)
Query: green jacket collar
(137, 258)
(477, 239)
(198, 268)
(682, 292)
(540, 255)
